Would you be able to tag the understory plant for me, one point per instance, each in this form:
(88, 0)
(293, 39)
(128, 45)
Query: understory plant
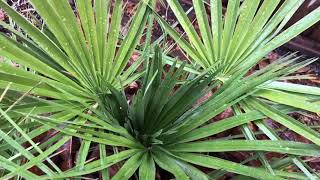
(74, 54)
(75, 76)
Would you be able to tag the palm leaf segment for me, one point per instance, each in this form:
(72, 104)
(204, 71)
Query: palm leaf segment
(77, 52)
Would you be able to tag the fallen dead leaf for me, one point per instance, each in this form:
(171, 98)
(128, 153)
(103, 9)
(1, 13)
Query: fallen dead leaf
(2, 15)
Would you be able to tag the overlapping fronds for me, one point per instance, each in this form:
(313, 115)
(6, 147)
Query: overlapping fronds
(78, 61)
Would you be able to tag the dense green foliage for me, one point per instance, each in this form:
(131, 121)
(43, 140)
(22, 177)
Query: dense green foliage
(73, 73)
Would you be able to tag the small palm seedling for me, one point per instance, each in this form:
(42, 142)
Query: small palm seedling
(234, 42)
(73, 53)
(163, 128)
(241, 37)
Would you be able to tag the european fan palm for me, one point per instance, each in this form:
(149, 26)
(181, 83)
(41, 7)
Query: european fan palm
(75, 91)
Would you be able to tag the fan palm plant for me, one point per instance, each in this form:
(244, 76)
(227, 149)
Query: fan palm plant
(160, 128)
(73, 52)
(76, 93)
(229, 46)
(240, 38)
(235, 42)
